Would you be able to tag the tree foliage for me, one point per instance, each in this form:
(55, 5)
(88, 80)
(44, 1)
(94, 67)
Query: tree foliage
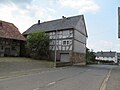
(38, 44)
(90, 56)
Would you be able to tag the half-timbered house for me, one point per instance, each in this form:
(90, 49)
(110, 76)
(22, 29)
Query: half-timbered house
(10, 39)
(68, 37)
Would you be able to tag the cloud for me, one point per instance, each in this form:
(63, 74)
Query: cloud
(24, 17)
(24, 13)
(103, 45)
(82, 6)
(15, 1)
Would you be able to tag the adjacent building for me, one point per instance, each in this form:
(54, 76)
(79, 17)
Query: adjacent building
(118, 57)
(68, 37)
(107, 56)
(10, 39)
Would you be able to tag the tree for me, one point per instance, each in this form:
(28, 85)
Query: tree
(38, 44)
(90, 56)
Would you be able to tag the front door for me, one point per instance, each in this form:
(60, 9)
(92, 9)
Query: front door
(7, 51)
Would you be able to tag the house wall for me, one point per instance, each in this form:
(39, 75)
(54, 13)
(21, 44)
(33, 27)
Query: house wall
(79, 42)
(79, 47)
(78, 58)
(118, 57)
(63, 41)
(9, 47)
(80, 37)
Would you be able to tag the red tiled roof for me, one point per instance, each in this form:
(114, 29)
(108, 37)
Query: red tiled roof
(9, 30)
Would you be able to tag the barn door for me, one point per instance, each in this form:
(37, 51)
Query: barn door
(7, 51)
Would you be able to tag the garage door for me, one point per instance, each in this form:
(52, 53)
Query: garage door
(65, 57)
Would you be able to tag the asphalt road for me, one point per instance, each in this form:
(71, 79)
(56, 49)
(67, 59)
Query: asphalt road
(70, 78)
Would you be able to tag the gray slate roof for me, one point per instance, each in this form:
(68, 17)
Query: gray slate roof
(105, 54)
(59, 24)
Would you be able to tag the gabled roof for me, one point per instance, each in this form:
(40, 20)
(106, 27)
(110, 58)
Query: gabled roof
(9, 30)
(105, 54)
(59, 24)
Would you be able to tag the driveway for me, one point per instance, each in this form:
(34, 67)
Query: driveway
(15, 65)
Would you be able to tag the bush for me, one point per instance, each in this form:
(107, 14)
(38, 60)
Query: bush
(38, 43)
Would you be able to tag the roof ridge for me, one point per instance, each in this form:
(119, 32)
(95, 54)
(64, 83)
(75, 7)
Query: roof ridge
(59, 19)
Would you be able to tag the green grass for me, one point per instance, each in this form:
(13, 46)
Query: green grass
(45, 63)
(21, 59)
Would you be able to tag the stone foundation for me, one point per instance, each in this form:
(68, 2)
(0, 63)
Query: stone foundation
(78, 58)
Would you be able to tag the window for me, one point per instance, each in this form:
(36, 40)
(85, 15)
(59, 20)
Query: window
(65, 34)
(67, 42)
(64, 42)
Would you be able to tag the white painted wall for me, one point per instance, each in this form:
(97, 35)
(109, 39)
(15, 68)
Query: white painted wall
(79, 47)
(107, 59)
(81, 26)
(79, 36)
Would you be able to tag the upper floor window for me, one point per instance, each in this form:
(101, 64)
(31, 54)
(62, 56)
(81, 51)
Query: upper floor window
(67, 42)
(64, 42)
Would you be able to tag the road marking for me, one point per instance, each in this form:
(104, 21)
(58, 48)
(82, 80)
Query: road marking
(51, 83)
(104, 84)
(45, 85)
(36, 89)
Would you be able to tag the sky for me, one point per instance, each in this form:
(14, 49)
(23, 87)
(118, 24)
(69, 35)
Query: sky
(101, 17)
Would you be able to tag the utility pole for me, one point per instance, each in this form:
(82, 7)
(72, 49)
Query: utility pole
(55, 48)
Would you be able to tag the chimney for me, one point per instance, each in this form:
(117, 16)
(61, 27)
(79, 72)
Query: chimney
(38, 21)
(63, 17)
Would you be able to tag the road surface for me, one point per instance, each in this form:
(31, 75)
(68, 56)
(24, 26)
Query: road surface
(70, 78)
